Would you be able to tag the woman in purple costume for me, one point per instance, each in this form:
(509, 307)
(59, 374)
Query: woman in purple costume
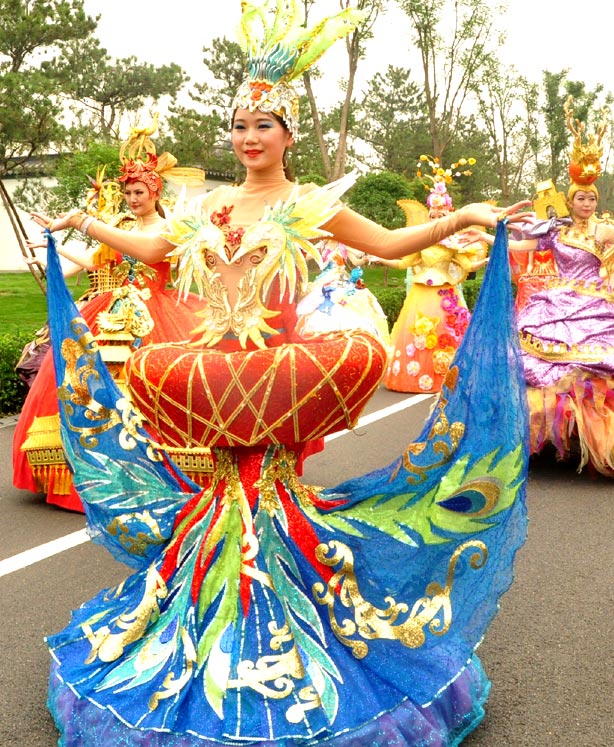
(567, 329)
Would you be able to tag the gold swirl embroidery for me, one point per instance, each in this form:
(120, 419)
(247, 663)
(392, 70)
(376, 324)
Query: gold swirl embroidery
(281, 669)
(140, 270)
(75, 389)
(246, 317)
(129, 436)
(282, 468)
(578, 237)
(108, 646)
(139, 543)
(371, 623)
(592, 288)
(450, 435)
(172, 686)
(127, 312)
(560, 351)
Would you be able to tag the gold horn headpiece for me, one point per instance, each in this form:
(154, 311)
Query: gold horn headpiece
(585, 156)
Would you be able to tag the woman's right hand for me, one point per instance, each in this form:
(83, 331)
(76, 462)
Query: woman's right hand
(71, 219)
(472, 235)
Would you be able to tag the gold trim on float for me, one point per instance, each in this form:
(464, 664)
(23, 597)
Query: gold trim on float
(560, 351)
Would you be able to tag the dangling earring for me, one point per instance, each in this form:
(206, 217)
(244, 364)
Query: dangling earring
(284, 160)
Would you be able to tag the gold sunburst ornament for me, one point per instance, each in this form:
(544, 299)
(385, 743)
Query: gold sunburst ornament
(587, 150)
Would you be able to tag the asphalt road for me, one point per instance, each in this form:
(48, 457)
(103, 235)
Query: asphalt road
(549, 652)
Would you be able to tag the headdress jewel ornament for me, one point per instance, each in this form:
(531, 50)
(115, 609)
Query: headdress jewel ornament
(439, 178)
(585, 157)
(278, 48)
(140, 163)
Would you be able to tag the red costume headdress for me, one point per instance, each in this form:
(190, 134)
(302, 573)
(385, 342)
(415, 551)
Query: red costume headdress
(140, 163)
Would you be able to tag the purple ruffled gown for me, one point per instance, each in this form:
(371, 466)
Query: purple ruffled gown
(567, 339)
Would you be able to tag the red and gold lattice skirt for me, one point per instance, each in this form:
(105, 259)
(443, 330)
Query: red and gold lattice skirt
(289, 394)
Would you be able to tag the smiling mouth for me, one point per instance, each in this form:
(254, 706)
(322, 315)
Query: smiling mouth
(253, 153)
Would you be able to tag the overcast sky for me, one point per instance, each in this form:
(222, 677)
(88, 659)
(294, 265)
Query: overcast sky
(541, 36)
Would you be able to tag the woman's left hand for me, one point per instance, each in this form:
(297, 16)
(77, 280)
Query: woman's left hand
(484, 214)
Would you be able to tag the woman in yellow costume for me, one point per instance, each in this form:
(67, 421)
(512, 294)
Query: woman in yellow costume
(262, 611)
(434, 316)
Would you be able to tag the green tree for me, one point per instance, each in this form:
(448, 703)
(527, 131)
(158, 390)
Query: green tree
(225, 69)
(355, 47)
(471, 140)
(393, 123)
(508, 108)
(198, 139)
(452, 37)
(103, 90)
(74, 173)
(306, 153)
(200, 136)
(33, 35)
(375, 196)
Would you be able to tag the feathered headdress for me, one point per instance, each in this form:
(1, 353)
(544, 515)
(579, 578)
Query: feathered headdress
(437, 181)
(140, 163)
(278, 49)
(585, 157)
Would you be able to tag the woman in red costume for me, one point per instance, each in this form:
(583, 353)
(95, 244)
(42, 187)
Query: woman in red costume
(117, 283)
(262, 611)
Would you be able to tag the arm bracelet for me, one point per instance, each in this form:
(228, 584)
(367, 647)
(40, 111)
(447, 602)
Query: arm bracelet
(85, 224)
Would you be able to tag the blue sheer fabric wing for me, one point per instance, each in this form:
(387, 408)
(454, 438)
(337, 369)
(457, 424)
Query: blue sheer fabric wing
(460, 487)
(418, 553)
(131, 493)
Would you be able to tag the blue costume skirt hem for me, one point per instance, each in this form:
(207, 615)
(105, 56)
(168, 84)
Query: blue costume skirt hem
(444, 722)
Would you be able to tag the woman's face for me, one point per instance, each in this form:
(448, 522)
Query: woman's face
(139, 199)
(584, 204)
(259, 139)
(438, 212)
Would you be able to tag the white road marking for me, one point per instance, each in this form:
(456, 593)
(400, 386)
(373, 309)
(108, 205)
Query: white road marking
(49, 549)
(379, 414)
(42, 552)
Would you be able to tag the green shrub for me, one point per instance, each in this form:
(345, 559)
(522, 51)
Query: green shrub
(471, 290)
(391, 300)
(13, 391)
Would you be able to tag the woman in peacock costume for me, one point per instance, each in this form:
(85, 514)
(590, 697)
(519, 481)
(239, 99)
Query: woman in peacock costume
(262, 611)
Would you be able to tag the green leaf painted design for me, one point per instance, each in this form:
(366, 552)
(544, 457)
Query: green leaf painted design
(409, 516)
(301, 613)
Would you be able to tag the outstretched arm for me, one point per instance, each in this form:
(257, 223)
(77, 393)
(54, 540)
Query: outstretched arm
(146, 247)
(75, 262)
(361, 233)
(474, 234)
